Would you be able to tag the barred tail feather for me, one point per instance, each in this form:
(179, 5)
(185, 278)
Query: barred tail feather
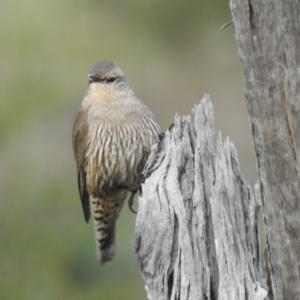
(103, 211)
(105, 243)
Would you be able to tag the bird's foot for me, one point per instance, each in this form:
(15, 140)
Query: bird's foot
(133, 189)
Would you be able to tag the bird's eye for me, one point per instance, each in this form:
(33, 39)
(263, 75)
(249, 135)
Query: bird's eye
(111, 79)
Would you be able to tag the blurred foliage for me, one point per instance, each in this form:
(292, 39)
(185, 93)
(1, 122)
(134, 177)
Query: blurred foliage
(171, 53)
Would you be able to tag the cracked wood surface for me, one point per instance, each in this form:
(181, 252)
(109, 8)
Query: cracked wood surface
(268, 40)
(196, 234)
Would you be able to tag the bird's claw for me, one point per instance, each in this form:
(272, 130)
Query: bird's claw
(130, 202)
(133, 191)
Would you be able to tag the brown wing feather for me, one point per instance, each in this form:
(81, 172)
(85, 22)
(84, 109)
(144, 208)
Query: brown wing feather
(79, 135)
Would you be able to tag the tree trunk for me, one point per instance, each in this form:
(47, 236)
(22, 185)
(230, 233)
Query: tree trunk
(268, 40)
(196, 233)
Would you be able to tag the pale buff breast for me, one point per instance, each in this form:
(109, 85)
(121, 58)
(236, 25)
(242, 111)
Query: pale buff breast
(117, 152)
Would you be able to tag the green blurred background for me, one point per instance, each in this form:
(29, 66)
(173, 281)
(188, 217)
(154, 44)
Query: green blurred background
(172, 54)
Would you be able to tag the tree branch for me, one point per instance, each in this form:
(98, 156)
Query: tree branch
(196, 233)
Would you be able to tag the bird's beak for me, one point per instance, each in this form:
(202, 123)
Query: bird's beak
(94, 78)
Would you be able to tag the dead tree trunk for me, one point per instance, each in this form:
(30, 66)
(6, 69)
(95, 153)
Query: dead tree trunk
(196, 233)
(268, 39)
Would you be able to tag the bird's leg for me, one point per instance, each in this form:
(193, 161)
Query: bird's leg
(162, 135)
(133, 189)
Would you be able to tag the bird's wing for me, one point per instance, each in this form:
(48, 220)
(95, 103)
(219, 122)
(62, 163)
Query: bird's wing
(79, 137)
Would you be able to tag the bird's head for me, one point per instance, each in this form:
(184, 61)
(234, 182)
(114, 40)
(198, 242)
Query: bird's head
(105, 72)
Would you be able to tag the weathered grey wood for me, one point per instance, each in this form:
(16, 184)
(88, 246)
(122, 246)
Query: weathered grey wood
(196, 234)
(268, 39)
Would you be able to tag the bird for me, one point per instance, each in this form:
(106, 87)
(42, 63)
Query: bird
(112, 136)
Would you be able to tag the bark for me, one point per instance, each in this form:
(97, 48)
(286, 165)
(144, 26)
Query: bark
(268, 39)
(196, 234)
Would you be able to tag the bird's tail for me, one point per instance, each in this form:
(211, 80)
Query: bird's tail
(105, 243)
(105, 212)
